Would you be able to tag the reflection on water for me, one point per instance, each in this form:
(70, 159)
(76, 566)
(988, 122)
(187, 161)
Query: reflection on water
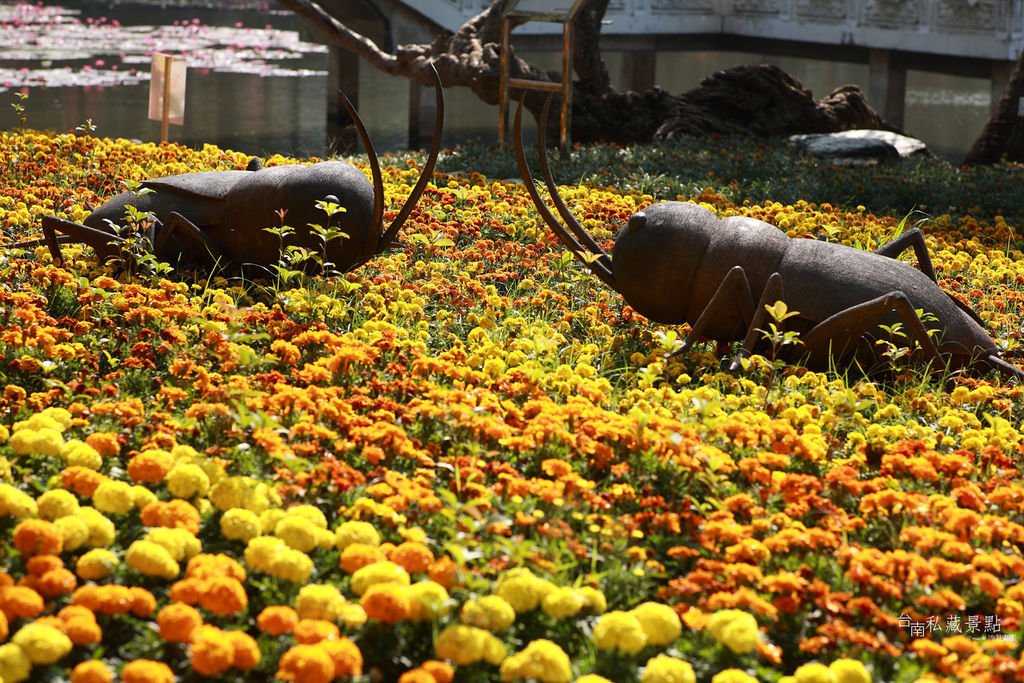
(252, 86)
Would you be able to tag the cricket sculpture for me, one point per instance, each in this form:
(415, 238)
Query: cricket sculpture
(676, 262)
(236, 219)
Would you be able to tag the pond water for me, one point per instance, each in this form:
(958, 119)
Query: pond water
(254, 86)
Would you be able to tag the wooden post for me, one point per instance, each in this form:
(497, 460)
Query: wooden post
(503, 72)
(166, 117)
(887, 86)
(564, 119)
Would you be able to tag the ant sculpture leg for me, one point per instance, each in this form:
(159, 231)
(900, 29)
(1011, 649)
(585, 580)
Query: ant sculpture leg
(104, 242)
(191, 240)
(914, 238)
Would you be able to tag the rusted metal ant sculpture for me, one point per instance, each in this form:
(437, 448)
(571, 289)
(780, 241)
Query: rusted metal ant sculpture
(233, 219)
(676, 262)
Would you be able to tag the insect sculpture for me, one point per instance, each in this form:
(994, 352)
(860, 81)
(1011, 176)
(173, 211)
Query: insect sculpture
(676, 262)
(235, 219)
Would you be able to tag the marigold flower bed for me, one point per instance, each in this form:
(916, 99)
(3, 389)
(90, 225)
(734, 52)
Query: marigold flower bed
(469, 460)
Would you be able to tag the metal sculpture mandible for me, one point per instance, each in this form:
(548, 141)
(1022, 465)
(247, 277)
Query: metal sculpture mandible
(232, 219)
(676, 262)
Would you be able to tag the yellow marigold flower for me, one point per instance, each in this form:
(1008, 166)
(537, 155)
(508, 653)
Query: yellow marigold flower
(243, 492)
(352, 615)
(291, 565)
(239, 524)
(306, 664)
(181, 544)
(428, 600)
(151, 559)
(57, 503)
(620, 630)
(187, 481)
(319, 601)
(44, 441)
(849, 671)
(384, 571)
(592, 678)
(269, 519)
(15, 665)
(92, 671)
(563, 602)
(261, 550)
(522, 589)
(142, 496)
(386, 602)
(594, 600)
(733, 676)
(79, 453)
(666, 669)
(660, 622)
(101, 530)
(298, 532)
(114, 497)
(813, 672)
(355, 532)
(95, 565)
(16, 503)
(461, 644)
(735, 629)
(43, 643)
(309, 512)
(490, 612)
(541, 660)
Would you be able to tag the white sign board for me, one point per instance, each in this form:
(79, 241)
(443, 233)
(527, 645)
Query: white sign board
(167, 94)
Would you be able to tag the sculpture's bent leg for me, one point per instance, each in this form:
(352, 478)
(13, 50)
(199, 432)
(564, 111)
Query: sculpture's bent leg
(104, 243)
(732, 297)
(832, 336)
(195, 245)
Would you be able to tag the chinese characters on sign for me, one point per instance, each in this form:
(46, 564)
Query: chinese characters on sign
(978, 625)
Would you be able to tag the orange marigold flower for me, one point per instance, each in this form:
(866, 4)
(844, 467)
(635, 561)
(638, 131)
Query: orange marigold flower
(178, 621)
(56, 582)
(416, 676)
(277, 620)
(81, 480)
(174, 514)
(146, 671)
(211, 653)
(188, 590)
(348, 660)
(38, 537)
(358, 555)
(204, 566)
(20, 602)
(150, 467)
(443, 571)
(143, 602)
(88, 596)
(443, 672)
(105, 443)
(5, 628)
(384, 602)
(415, 557)
(246, 650)
(83, 630)
(92, 671)
(309, 631)
(223, 595)
(304, 664)
(40, 564)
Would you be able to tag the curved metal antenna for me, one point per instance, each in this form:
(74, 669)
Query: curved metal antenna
(545, 170)
(378, 180)
(428, 168)
(599, 269)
